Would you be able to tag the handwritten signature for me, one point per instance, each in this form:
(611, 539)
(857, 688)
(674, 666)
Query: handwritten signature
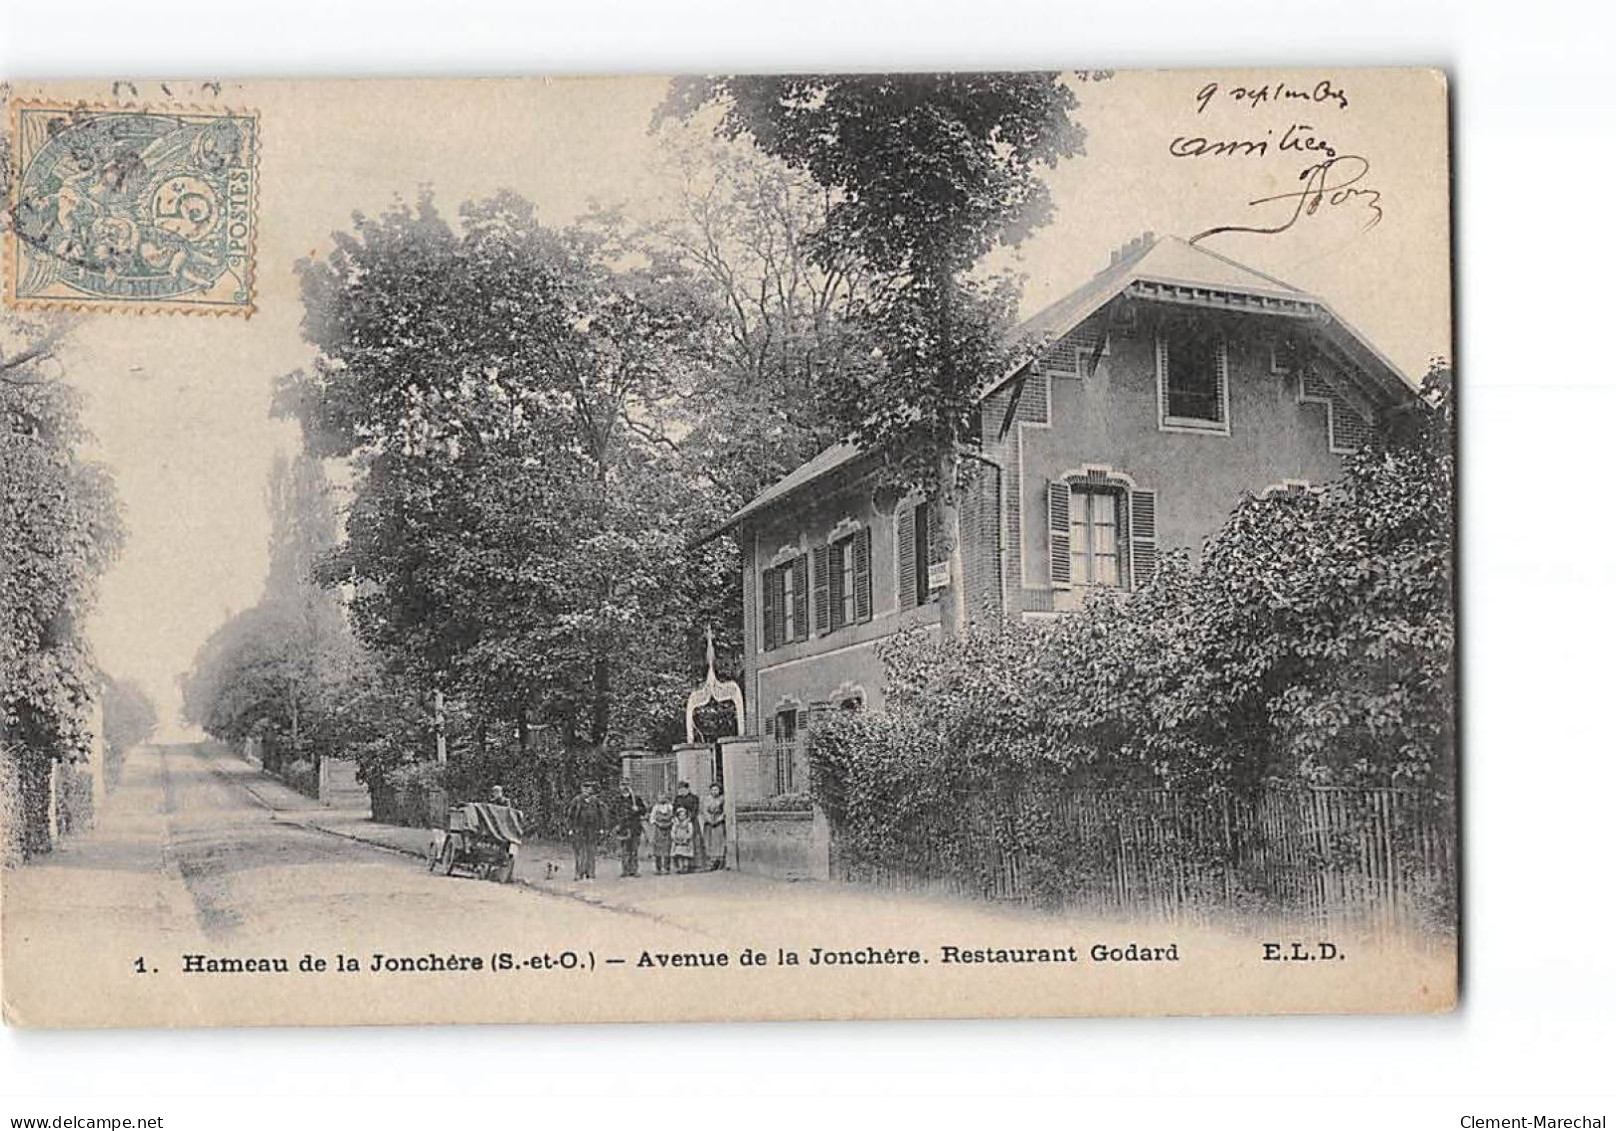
(1335, 183)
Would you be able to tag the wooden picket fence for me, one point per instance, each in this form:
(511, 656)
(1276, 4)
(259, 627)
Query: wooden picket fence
(1377, 859)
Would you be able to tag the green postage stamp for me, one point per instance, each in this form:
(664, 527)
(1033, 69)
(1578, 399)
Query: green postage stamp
(144, 209)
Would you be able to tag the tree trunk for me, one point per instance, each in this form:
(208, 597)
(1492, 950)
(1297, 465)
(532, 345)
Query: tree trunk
(951, 601)
(600, 724)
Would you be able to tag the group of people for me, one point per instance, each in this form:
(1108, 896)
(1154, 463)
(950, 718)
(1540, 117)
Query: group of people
(687, 832)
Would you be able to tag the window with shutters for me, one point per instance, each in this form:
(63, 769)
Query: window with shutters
(1096, 538)
(846, 590)
(1102, 532)
(917, 550)
(785, 603)
(1192, 385)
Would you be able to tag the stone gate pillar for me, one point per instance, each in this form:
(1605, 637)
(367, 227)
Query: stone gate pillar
(742, 783)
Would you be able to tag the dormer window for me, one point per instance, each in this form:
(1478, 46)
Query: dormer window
(1192, 368)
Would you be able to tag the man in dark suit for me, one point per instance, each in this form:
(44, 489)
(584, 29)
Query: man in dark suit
(587, 818)
(631, 813)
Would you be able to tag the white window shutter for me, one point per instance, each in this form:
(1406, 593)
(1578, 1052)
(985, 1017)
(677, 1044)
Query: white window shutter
(1060, 534)
(1142, 535)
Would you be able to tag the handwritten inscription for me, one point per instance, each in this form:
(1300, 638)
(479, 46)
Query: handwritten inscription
(1298, 137)
(1333, 184)
(1330, 180)
(1324, 91)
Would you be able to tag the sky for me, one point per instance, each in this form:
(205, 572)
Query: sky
(179, 405)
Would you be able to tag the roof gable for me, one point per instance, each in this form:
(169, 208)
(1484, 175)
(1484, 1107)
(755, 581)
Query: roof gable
(1166, 269)
(1171, 269)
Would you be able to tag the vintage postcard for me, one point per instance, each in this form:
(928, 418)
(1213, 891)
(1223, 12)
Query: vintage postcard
(736, 547)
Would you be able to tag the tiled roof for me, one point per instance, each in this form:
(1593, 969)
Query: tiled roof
(833, 457)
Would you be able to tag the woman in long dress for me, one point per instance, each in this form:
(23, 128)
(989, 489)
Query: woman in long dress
(713, 830)
(662, 834)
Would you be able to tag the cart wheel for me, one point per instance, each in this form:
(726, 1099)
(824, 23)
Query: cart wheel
(449, 856)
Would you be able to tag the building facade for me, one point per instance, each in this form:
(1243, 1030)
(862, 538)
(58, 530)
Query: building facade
(1154, 397)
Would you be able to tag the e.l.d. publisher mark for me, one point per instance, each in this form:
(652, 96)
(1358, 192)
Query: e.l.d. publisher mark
(146, 209)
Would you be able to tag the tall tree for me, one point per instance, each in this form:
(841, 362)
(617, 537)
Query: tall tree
(742, 236)
(59, 531)
(519, 516)
(929, 172)
(282, 670)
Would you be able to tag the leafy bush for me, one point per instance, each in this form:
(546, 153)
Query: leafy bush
(1312, 643)
(11, 809)
(75, 800)
(405, 795)
(303, 776)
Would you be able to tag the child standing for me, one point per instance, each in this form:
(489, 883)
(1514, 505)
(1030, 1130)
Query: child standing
(683, 836)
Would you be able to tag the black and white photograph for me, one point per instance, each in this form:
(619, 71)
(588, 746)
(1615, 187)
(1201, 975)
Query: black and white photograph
(958, 544)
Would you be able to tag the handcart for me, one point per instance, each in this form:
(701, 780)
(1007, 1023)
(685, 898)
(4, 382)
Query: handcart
(481, 840)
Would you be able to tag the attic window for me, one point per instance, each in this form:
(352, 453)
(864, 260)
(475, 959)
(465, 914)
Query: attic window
(1192, 378)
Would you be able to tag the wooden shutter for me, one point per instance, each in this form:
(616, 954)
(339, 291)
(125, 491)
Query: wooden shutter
(838, 585)
(1142, 536)
(934, 547)
(1163, 376)
(907, 585)
(822, 586)
(1222, 356)
(1060, 534)
(861, 575)
(771, 619)
(799, 585)
(768, 725)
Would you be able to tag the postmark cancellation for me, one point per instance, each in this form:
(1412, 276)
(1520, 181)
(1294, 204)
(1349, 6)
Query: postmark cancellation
(144, 209)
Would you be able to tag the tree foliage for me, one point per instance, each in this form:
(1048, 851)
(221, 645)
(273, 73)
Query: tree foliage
(128, 719)
(287, 670)
(60, 529)
(506, 394)
(744, 239)
(928, 172)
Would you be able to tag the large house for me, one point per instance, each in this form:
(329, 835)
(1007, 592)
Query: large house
(1157, 393)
